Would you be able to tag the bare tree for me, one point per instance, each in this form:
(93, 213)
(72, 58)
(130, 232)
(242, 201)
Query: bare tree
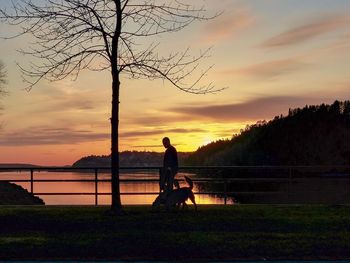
(2, 82)
(73, 35)
(2, 77)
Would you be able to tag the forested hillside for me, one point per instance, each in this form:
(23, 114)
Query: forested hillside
(313, 135)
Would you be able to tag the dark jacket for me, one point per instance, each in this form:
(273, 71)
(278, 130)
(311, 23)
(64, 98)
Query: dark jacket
(170, 158)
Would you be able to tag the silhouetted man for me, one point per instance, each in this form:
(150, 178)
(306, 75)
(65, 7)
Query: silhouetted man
(170, 166)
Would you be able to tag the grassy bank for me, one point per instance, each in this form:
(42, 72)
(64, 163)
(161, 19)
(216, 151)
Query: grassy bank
(211, 233)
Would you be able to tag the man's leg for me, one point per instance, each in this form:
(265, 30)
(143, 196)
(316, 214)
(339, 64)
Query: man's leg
(162, 179)
(170, 180)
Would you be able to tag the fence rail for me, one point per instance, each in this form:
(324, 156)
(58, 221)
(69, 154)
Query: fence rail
(289, 178)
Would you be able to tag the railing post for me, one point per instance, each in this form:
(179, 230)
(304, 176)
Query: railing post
(96, 187)
(290, 184)
(31, 181)
(160, 176)
(225, 190)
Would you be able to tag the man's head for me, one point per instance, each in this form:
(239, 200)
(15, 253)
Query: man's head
(166, 142)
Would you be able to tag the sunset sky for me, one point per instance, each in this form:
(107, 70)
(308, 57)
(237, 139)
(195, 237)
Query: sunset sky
(271, 55)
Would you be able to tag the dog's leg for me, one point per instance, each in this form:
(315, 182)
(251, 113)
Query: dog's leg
(176, 184)
(191, 196)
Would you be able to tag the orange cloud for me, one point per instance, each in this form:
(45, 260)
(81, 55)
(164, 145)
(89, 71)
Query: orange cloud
(50, 136)
(227, 25)
(318, 26)
(269, 69)
(141, 134)
(153, 120)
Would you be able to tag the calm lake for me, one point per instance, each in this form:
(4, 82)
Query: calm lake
(103, 187)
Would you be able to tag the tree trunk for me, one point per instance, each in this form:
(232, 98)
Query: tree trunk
(116, 202)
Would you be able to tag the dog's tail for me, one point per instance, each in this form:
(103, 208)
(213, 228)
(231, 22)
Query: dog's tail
(189, 181)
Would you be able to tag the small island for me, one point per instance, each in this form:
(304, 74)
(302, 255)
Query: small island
(12, 194)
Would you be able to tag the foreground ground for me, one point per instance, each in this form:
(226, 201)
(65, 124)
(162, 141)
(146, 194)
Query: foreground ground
(211, 233)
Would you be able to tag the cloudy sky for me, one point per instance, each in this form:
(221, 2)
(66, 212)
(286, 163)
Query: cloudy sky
(270, 55)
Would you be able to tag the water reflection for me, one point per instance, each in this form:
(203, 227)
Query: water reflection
(103, 187)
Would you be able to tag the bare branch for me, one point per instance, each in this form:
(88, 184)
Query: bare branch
(2, 78)
(72, 35)
(2, 83)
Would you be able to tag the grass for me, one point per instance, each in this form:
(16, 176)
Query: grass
(211, 233)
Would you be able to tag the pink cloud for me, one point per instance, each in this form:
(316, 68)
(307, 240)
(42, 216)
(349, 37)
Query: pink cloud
(311, 29)
(252, 110)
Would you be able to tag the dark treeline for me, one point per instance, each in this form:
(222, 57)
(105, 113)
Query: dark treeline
(128, 158)
(313, 135)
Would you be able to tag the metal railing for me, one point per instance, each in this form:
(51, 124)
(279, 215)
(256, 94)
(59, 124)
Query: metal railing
(287, 176)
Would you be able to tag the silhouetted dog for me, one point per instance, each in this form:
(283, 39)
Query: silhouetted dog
(180, 195)
(176, 197)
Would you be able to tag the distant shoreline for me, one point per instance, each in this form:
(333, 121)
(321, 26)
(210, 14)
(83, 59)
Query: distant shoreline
(69, 169)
